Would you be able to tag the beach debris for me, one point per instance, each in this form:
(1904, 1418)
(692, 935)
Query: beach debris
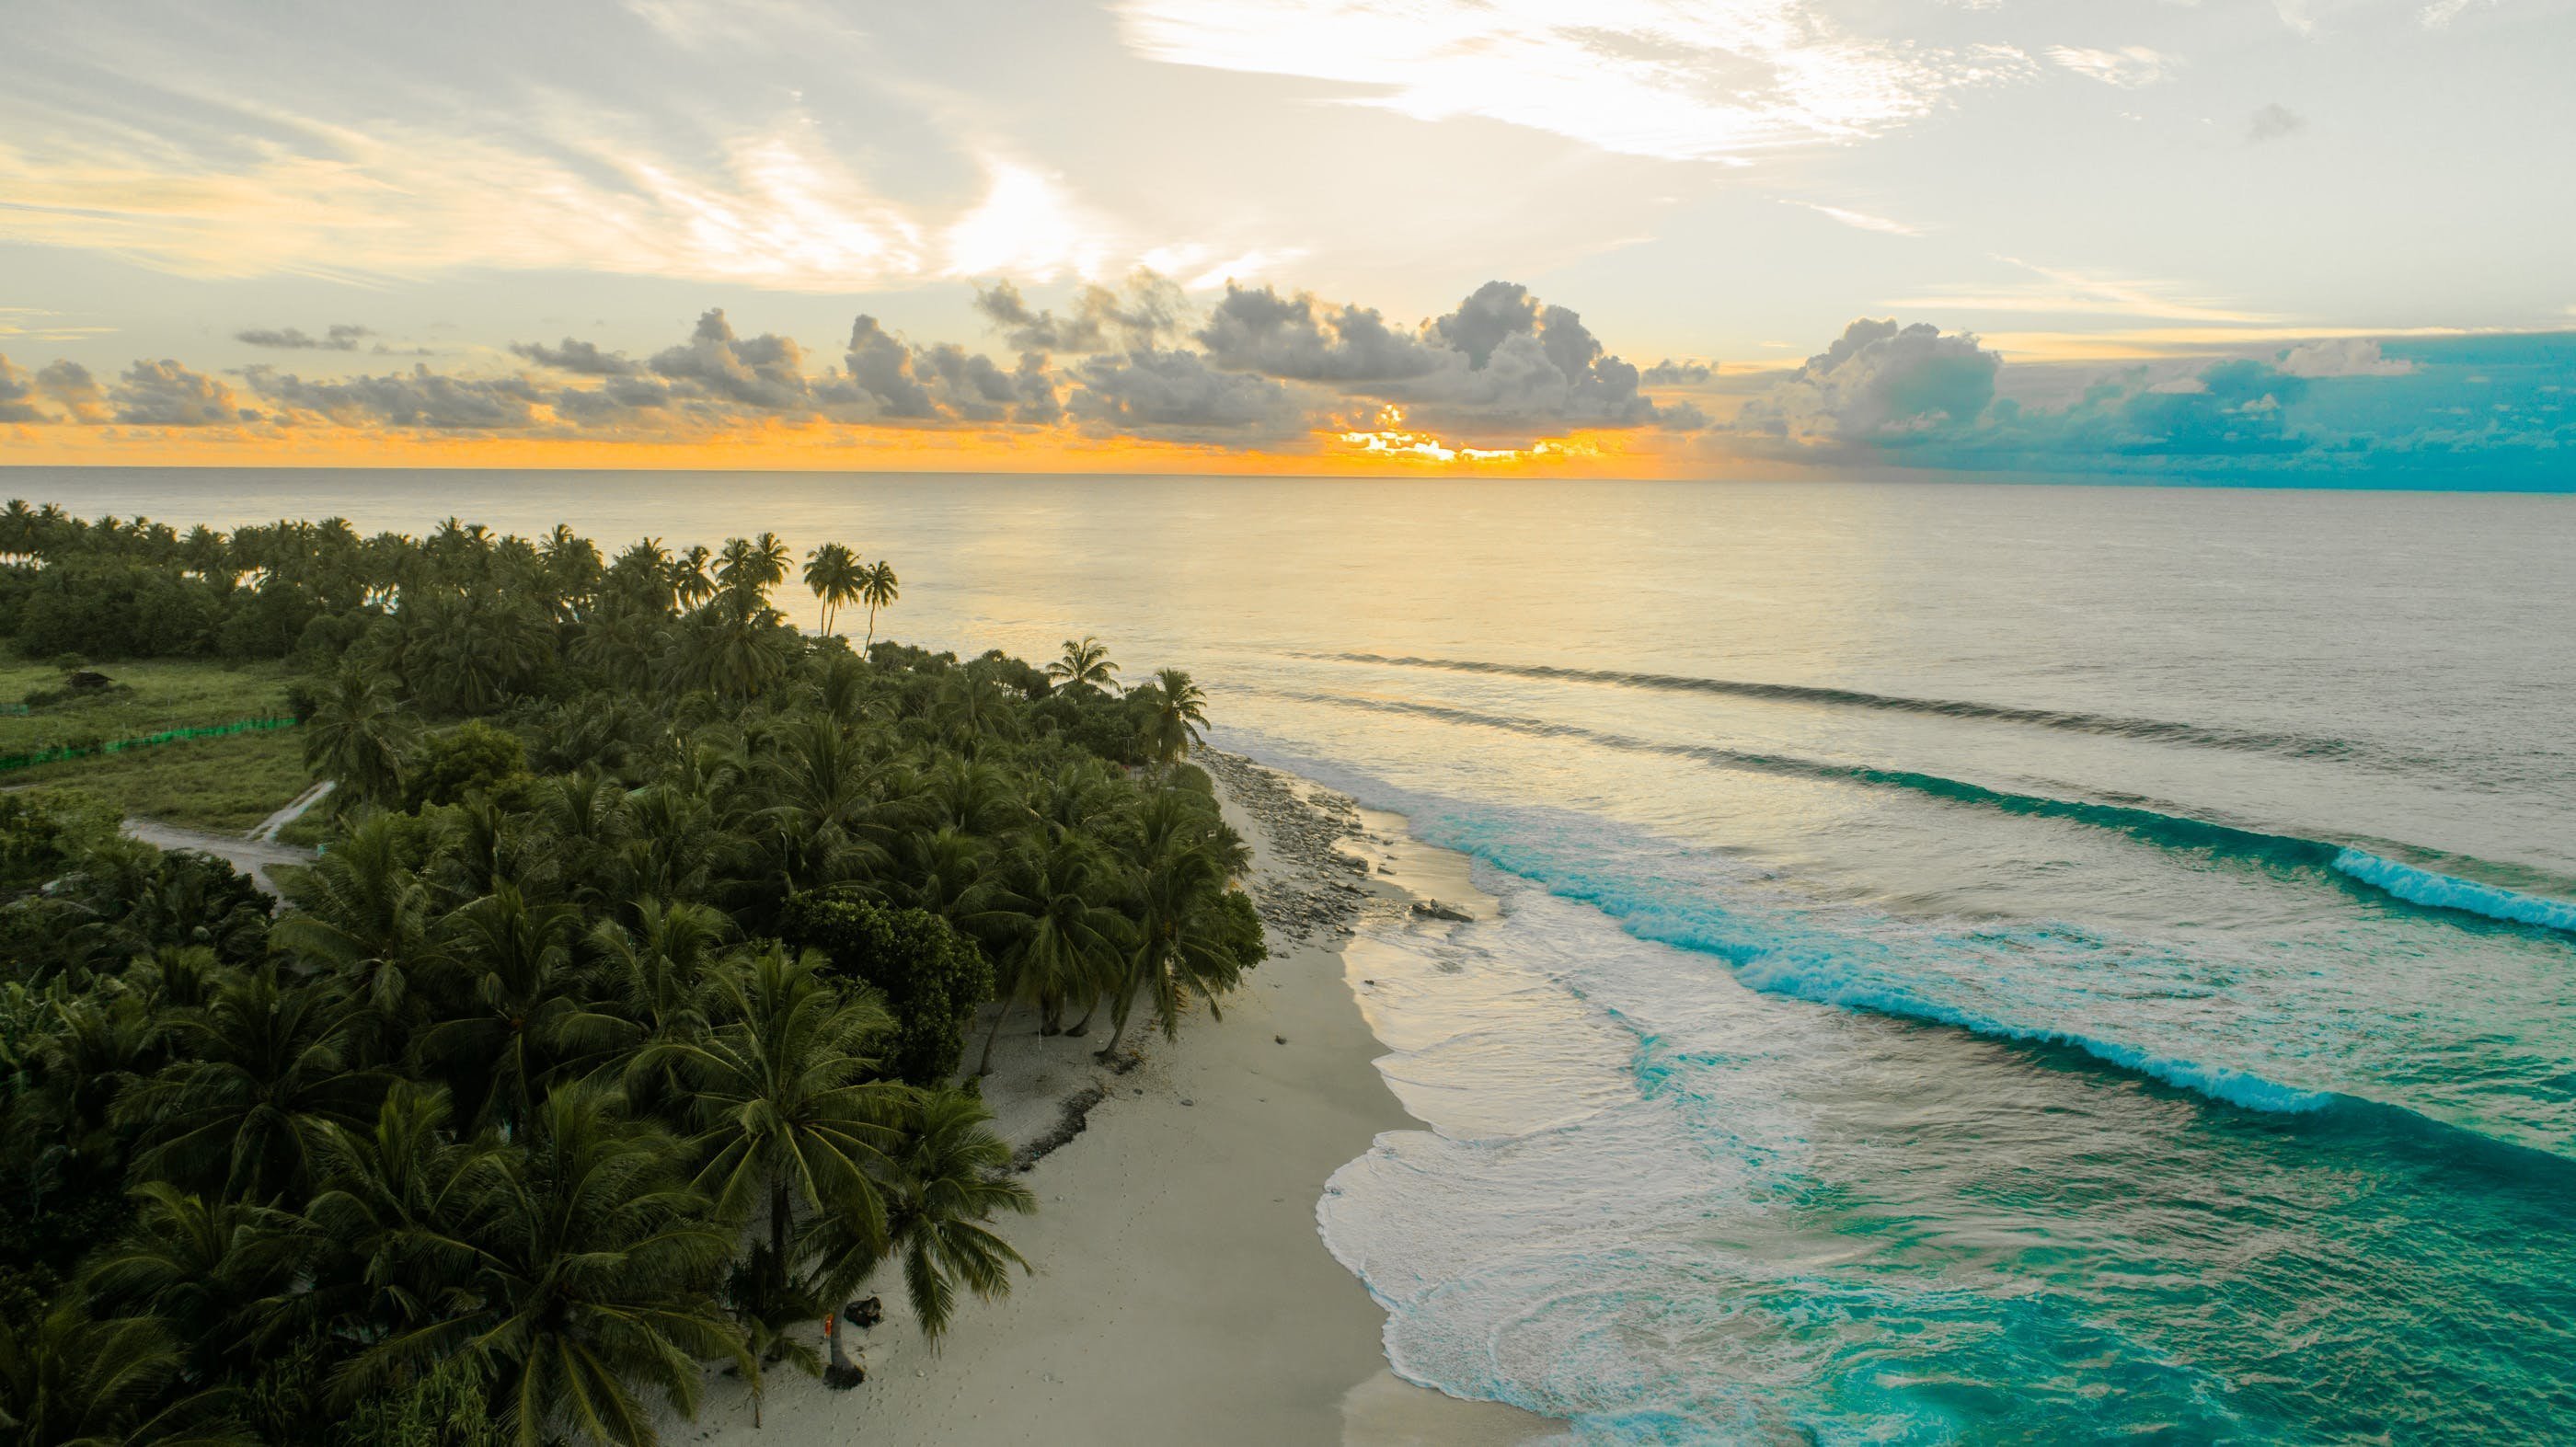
(1434, 909)
(1282, 1039)
(1074, 1116)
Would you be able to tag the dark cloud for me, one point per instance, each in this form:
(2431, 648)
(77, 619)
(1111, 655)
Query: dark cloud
(343, 338)
(1149, 389)
(166, 394)
(2273, 122)
(765, 373)
(1671, 373)
(1302, 339)
(880, 367)
(616, 401)
(418, 398)
(580, 358)
(1501, 363)
(1143, 314)
(17, 388)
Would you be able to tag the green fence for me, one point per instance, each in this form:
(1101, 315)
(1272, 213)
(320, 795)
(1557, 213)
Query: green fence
(60, 752)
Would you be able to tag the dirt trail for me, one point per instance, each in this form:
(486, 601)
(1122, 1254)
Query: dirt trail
(250, 856)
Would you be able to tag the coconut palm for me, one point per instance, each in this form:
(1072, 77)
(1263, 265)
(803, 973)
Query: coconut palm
(1059, 937)
(878, 588)
(951, 1178)
(67, 1380)
(1085, 664)
(358, 738)
(363, 912)
(203, 1268)
(835, 575)
(1180, 711)
(786, 1102)
(522, 1016)
(579, 1271)
(253, 1078)
(1190, 928)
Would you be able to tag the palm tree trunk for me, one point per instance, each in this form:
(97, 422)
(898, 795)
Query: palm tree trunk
(778, 1236)
(1125, 1011)
(872, 625)
(1083, 1024)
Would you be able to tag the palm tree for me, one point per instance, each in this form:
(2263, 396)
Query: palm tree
(254, 1077)
(1180, 711)
(786, 1102)
(951, 1177)
(357, 737)
(1190, 927)
(362, 911)
(1085, 664)
(579, 1271)
(67, 1380)
(878, 588)
(203, 1268)
(835, 575)
(1059, 936)
(524, 1017)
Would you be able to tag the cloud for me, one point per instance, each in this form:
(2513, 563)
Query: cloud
(1862, 220)
(1671, 373)
(1141, 314)
(583, 359)
(2486, 411)
(2273, 122)
(1152, 389)
(766, 373)
(419, 398)
(1669, 80)
(17, 387)
(2440, 14)
(1879, 383)
(343, 338)
(2342, 357)
(2129, 67)
(70, 386)
(2064, 290)
(1299, 337)
(166, 394)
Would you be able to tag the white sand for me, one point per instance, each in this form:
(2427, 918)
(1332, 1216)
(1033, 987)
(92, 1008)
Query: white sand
(1181, 1293)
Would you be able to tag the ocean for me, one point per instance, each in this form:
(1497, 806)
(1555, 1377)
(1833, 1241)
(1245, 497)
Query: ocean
(1974, 963)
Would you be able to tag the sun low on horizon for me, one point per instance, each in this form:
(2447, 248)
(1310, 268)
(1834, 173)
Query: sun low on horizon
(2291, 243)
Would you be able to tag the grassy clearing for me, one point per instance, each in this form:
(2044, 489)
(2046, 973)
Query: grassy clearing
(154, 695)
(221, 785)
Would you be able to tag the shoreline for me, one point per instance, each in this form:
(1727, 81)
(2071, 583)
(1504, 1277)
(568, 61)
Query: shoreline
(1181, 1291)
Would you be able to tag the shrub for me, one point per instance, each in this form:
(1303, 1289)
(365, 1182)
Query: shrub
(931, 976)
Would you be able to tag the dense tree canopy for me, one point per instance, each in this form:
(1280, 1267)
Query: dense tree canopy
(618, 1027)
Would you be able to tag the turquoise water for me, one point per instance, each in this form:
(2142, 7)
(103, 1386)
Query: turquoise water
(1975, 964)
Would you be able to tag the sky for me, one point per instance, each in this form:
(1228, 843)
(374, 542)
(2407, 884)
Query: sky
(2310, 242)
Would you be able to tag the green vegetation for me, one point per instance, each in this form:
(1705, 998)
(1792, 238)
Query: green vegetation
(224, 785)
(614, 1036)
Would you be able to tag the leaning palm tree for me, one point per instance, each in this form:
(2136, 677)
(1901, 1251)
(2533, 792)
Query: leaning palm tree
(878, 588)
(67, 1380)
(580, 1274)
(1085, 664)
(835, 575)
(787, 1103)
(357, 737)
(1059, 936)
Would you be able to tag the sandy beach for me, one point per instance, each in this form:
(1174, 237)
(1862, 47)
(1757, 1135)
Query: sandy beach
(1181, 1293)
